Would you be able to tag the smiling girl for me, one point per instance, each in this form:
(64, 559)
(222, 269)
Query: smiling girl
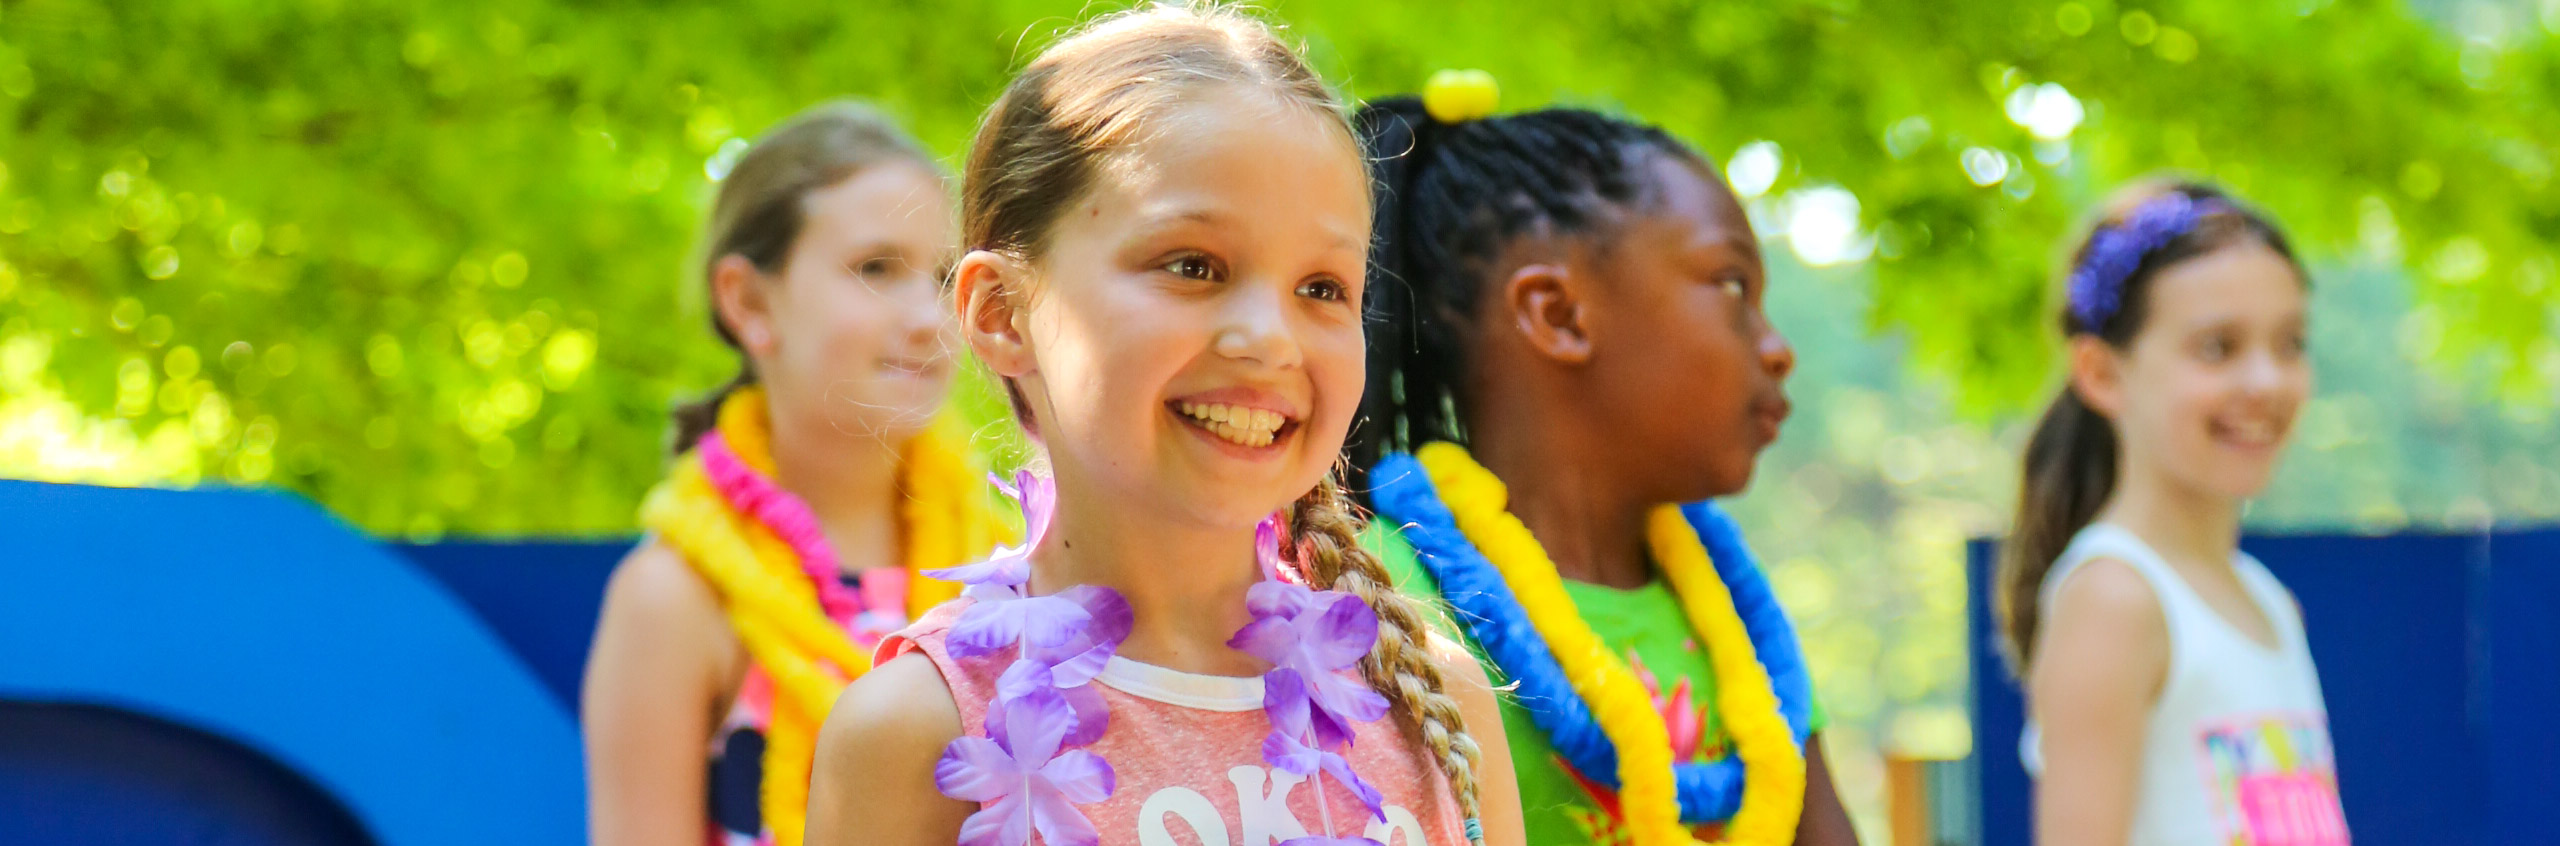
(804, 496)
(2172, 697)
(1168, 220)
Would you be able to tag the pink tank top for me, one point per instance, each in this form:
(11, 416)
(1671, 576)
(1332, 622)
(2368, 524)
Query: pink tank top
(1186, 752)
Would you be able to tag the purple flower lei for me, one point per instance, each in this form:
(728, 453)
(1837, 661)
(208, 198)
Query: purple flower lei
(1029, 772)
(2097, 282)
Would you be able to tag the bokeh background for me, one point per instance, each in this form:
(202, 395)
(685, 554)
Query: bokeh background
(425, 262)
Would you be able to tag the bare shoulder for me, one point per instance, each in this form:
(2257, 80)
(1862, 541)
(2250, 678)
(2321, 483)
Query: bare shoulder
(2104, 639)
(874, 778)
(900, 709)
(2106, 595)
(654, 582)
(1464, 673)
(659, 615)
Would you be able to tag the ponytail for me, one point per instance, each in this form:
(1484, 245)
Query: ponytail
(2070, 472)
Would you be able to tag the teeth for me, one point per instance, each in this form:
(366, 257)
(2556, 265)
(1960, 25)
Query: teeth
(1247, 426)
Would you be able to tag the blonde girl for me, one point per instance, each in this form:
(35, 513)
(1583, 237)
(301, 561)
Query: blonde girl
(1168, 219)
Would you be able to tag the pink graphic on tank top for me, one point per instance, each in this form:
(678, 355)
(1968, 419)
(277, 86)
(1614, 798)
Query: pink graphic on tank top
(2273, 780)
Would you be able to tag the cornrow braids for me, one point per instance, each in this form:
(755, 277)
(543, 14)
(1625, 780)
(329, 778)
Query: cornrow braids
(1449, 198)
(1325, 532)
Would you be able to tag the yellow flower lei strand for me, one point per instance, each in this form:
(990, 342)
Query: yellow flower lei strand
(1773, 789)
(946, 519)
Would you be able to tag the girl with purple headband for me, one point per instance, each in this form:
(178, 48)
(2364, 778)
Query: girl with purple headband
(2171, 697)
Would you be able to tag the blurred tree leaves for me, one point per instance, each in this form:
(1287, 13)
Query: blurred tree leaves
(425, 261)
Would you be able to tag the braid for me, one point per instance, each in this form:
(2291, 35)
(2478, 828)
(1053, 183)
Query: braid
(1449, 198)
(1326, 535)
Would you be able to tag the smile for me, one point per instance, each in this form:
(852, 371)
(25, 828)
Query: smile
(1236, 424)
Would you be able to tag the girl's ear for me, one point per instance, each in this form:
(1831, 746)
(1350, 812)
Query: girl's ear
(989, 288)
(1547, 309)
(743, 304)
(2097, 374)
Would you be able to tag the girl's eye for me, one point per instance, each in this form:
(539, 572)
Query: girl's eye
(2215, 348)
(1324, 289)
(875, 268)
(1192, 266)
(1735, 287)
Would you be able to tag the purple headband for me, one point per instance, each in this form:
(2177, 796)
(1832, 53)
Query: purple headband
(2097, 282)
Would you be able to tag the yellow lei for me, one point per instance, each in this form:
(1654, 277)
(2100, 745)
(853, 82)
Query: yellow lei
(1773, 785)
(944, 520)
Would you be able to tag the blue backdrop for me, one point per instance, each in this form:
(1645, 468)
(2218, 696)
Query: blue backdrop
(2437, 655)
(238, 667)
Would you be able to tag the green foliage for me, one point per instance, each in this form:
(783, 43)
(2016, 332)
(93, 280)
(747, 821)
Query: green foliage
(350, 243)
(426, 261)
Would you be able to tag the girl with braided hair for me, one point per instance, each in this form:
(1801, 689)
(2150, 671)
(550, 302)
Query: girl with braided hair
(804, 497)
(1168, 220)
(1568, 357)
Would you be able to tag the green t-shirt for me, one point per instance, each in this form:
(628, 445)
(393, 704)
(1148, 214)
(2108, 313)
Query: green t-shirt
(1643, 626)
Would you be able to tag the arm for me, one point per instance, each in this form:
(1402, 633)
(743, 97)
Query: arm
(2097, 669)
(1497, 788)
(661, 661)
(1824, 821)
(873, 778)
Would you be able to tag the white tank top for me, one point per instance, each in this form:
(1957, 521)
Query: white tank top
(2236, 750)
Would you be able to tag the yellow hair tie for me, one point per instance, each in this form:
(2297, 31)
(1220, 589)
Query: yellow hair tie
(1458, 96)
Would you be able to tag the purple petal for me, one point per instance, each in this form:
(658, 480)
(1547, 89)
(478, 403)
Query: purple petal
(1110, 611)
(1347, 697)
(1008, 566)
(1286, 753)
(1035, 725)
(1087, 652)
(1022, 679)
(1344, 634)
(1039, 498)
(1341, 770)
(1059, 822)
(1284, 698)
(974, 769)
(1093, 715)
(1278, 599)
(983, 629)
(1077, 667)
(1007, 822)
(1270, 638)
(1081, 776)
(1330, 730)
(991, 593)
(1266, 546)
(1048, 622)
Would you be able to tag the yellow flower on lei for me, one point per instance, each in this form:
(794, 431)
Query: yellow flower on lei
(945, 519)
(1773, 784)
